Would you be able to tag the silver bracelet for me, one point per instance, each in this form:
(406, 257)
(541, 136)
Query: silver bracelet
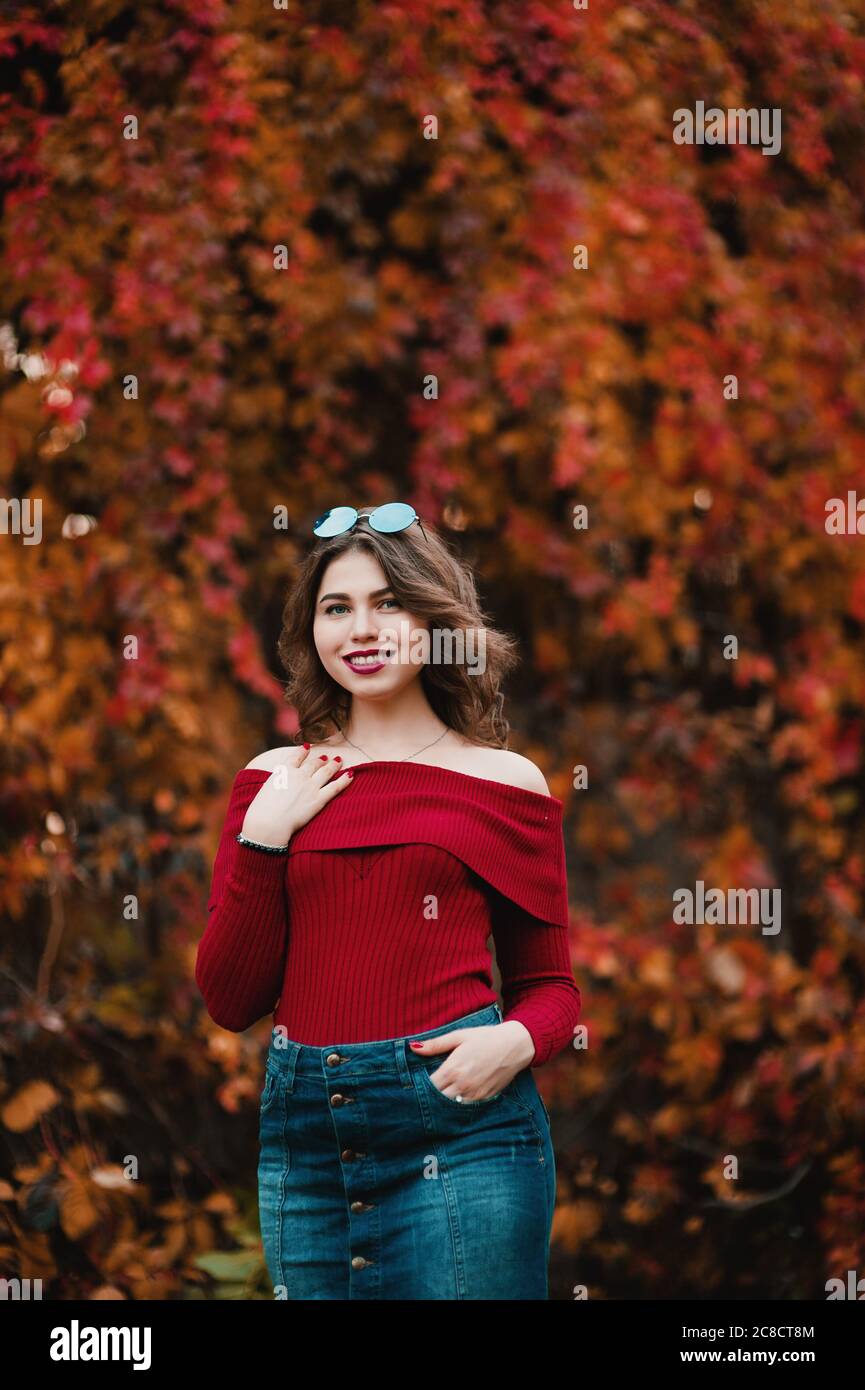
(266, 849)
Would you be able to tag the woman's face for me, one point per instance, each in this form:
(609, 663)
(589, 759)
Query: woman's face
(357, 611)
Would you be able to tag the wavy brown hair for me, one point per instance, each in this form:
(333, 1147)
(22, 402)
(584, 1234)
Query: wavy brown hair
(429, 581)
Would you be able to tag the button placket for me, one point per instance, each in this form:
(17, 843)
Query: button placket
(350, 1125)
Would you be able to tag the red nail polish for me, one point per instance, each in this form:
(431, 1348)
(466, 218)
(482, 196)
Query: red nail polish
(337, 758)
(350, 771)
(307, 745)
(417, 1044)
(322, 757)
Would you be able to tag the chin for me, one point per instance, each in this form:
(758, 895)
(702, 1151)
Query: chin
(386, 682)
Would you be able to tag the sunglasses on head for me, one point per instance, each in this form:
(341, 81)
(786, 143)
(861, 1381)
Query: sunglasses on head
(391, 517)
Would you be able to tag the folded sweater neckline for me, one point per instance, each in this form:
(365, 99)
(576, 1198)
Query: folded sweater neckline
(508, 836)
(507, 787)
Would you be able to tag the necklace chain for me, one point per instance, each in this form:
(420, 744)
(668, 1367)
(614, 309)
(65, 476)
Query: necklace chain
(399, 760)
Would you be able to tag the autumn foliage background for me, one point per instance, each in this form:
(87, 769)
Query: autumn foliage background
(260, 389)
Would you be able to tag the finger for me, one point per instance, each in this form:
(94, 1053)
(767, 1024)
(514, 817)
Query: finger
(444, 1043)
(291, 761)
(339, 780)
(315, 764)
(447, 1088)
(327, 766)
(294, 758)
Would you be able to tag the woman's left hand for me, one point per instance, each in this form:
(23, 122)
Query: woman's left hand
(482, 1061)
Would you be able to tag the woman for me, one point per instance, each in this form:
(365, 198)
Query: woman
(405, 1151)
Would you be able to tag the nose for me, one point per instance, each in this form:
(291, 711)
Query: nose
(363, 628)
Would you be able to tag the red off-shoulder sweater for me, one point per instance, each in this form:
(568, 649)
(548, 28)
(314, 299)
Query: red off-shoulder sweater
(376, 923)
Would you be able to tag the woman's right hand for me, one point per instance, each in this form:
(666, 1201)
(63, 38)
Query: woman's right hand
(296, 790)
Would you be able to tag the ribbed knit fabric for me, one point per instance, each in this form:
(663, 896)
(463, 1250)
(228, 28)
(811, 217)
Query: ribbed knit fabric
(375, 925)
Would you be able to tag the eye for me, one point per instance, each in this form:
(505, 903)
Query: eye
(331, 608)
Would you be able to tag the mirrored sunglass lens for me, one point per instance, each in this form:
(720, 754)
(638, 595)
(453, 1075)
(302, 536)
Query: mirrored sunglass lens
(393, 516)
(338, 519)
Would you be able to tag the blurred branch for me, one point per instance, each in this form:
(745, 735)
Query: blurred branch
(747, 1203)
(52, 943)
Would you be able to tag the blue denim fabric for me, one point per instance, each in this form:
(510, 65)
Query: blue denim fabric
(374, 1185)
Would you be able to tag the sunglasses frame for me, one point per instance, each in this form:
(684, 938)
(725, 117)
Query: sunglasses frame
(368, 517)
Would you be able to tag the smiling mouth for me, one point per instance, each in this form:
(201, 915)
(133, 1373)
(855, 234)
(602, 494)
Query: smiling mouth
(365, 663)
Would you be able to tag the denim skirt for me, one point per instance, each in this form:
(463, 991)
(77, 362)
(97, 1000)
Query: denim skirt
(372, 1184)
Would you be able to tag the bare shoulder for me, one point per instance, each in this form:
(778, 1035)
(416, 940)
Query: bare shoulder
(270, 760)
(501, 765)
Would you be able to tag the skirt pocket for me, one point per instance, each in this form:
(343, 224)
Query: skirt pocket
(449, 1100)
(508, 1112)
(268, 1093)
(273, 1124)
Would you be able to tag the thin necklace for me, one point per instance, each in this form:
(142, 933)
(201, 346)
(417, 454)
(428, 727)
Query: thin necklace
(398, 760)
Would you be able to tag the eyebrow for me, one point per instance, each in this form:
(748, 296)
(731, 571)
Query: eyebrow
(374, 593)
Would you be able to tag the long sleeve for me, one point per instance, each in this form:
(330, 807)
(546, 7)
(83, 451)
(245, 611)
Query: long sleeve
(241, 956)
(538, 986)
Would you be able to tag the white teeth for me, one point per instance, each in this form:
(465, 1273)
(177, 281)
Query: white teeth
(364, 660)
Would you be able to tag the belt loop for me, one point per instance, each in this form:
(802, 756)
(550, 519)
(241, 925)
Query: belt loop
(292, 1052)
(399, 1057)
(499, 1012)
(285, 1053)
